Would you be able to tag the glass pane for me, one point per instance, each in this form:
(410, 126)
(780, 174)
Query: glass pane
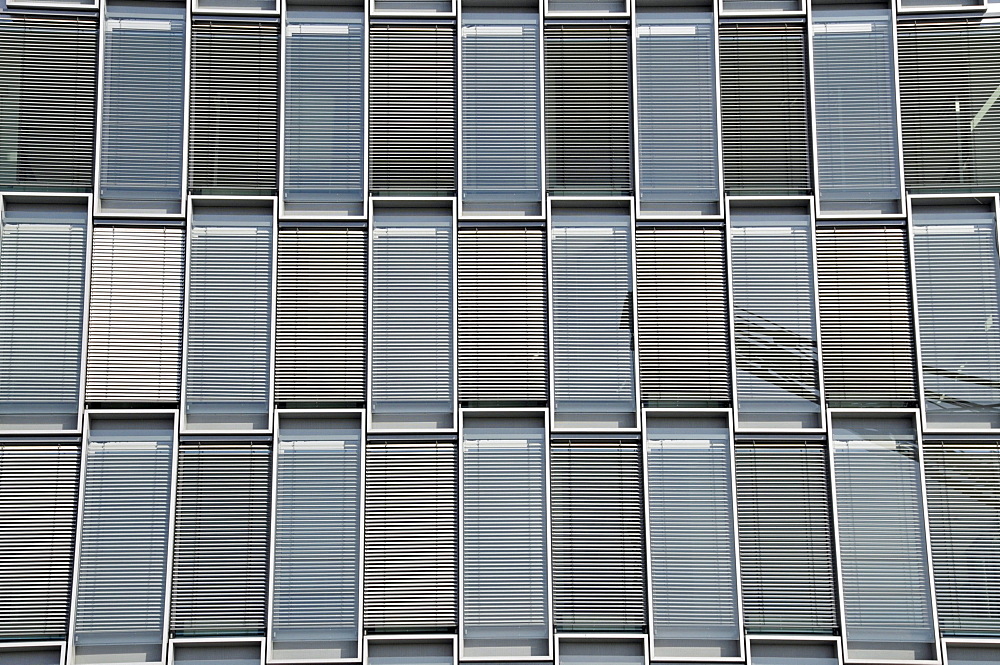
(691, 537)
(412, 344)
(123, 554)
(317, 539)
(678, 128)
(957, 270)
(229, 311)
(42, 258)
(886, 594)
(776, 360)
(324, 98)
(142, 120)
(856, 130)
(592, 312)
(501, 133)
(505, 603)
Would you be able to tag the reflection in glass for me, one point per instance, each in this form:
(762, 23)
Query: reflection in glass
(592, 312)
(856, 129)
(501, 129)
(777, 378)
(677, 118)
(142, 120)
(883, 553)
(324, 104)
(691, 537)
(504, 569)
(958, 300)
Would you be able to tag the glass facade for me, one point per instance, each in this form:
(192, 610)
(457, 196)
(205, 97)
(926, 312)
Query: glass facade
(461, 332)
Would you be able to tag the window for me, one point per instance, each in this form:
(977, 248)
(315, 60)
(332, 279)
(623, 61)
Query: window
(501, 123)
(142, 117)
(324, 111)
(592, 316)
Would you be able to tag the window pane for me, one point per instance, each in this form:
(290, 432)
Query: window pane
(678, 129)
(501, 132)
(324, 100)
(776, 361)
(42, 257)
(142, 119)
(958, 298)
(229, 311)
(592, 315)
(883, 553)
(412, 344)
(123, 554)
(317, 539)
(505, 567)
(856, 130)
(691, 537)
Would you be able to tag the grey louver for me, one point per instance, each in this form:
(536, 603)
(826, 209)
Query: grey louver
(963, 505)
(48, 76)
(234, 107)
(598, 555)
(411, 536)
(683, 321)
(221, 527)
(320, 334)
(502, 315)
(786, 541)
(765, 123)
(42, 262)
(412, 140)
(864, 298)
(123, 550)
(947, 79)
(136, 314)
(142, 118)
(587, 108)
(38, 492)
(324, 111)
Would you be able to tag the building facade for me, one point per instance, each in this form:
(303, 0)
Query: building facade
(434, 332)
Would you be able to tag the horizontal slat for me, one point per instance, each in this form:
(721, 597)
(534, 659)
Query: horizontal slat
(587, 110)
(865, 312)
(597, 536)
(136, 300)
(963, 504)
(219, 583)
(412, 107)
(947, 83)
(502, 331)
(321, 315)
(786, 541)
(48, 75)
(411, 539)
(683, 315)
(38, 493)
(234, 107)
(765, 124)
